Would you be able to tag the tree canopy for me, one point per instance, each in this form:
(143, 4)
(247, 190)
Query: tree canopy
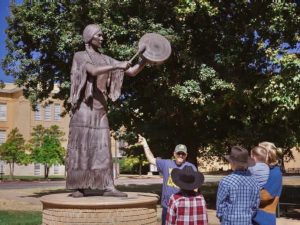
(233, 76)
(13, 150)
(46, 146)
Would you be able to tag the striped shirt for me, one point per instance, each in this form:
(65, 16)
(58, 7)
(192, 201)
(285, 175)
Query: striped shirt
(186, 209)
(260, 172)
(237, 199)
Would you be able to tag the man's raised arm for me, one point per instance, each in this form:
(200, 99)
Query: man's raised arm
(148, 153)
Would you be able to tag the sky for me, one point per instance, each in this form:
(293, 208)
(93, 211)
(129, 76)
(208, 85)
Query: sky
(4, 12)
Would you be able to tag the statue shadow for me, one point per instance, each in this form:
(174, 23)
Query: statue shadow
(46, 192)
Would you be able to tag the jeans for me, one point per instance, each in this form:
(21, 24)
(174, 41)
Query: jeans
(163, 215)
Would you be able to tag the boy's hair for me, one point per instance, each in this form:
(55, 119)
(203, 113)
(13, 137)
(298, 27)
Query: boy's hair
(260, 153)
(272, 157)
(239, 167)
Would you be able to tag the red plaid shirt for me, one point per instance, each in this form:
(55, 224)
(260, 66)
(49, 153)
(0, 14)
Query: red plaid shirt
(186, 210)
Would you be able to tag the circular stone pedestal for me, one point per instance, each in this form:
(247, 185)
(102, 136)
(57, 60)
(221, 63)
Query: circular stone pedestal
(136, 209)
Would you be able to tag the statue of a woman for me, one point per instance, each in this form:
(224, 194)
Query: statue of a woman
(94, 78)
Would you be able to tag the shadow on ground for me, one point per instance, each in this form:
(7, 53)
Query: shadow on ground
(46, 192)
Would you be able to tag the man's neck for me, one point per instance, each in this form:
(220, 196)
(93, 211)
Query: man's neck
(179, 164)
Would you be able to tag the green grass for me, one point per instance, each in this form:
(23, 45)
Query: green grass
(20, 218)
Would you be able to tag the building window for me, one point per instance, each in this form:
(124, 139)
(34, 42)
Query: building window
(37, 169)
(56, 169)
(3, 111)
(57, 112)
(37, 112)
(48, 112)
(2, 136)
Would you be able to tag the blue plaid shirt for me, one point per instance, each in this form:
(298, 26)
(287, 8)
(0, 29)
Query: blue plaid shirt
(237, 198)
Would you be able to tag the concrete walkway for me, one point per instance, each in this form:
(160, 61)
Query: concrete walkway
(26, 198)
(213, 220)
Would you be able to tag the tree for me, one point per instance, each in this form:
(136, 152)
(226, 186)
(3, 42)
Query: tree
(46, 146)
(13, 151)
(134, 160)
(233, 77)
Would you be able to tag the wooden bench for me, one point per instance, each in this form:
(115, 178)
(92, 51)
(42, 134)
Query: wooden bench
(282, 208)
(289, 199)
(293, 170)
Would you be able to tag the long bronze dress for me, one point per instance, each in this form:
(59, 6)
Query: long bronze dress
(89, 160)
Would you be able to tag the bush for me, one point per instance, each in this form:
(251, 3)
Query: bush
(133, 165)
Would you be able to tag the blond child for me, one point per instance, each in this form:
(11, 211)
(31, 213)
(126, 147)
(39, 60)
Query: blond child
(271, 191)
(260, 171)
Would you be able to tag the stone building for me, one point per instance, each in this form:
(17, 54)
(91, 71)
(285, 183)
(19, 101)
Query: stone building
(16, 111)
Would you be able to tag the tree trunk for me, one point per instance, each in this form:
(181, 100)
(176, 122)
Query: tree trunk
(47, 168)
(192, 154)
(11, 170)
(140, 168)
(281, 163)
(281, 159)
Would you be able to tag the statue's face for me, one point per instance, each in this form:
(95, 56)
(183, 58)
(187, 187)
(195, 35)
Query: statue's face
(97, 40)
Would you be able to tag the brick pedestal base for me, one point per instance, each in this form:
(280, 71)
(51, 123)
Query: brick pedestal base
(136, 209)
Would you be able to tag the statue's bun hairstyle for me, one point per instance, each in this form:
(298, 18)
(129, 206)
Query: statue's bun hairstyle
(89, 32)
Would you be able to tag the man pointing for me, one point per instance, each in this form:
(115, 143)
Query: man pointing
(165, 167)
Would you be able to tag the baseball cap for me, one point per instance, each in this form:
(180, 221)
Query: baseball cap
(180, 148)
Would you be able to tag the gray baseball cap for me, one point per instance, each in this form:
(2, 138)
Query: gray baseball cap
(180, 148)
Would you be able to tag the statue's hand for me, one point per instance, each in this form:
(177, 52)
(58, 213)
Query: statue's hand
(123, 65)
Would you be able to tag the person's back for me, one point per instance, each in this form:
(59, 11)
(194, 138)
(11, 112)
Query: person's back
(261, 170)
(238, 193)
(187, 207)
(238, 198)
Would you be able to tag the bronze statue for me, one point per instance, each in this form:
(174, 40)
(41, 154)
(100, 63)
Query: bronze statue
(96, 77)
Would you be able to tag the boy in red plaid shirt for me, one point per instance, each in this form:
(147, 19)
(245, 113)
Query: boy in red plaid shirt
(187, 207)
